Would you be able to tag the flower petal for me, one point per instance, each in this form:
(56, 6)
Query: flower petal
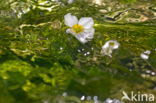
(83, 37)
(106, 51)
(115, 46)
(144, 56)
(68, 31)
(70, 20)
(89, 33)
(147, 52)
(79, 37)
(86, 36)
(109, 46)
(82, 40)
(87, 22)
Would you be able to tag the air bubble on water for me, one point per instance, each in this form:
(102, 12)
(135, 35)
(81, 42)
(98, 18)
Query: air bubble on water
(108, 100)
(64, 94)
(83, 49)
(148, 71)
(147, 52)
(89, 98)
(83, 98)
(85, 54)
(153, 73)
(61, 48)
(96, 102)
(95, 98)
(144, 56)
(112, 101)
(79, 50)
(88, 53)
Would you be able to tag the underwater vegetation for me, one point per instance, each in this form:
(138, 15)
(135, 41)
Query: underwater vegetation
(77, 51)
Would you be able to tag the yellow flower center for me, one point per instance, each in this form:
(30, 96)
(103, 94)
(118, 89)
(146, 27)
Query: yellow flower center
(112, 44)
(77, 28)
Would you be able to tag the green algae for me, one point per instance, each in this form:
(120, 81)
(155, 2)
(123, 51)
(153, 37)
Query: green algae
(39, 61)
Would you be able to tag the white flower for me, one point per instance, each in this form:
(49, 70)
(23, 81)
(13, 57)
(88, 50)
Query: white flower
(109, 46)
(147, 52)
(145, 55)
(108, 100)
(82, 29)
(113, 44)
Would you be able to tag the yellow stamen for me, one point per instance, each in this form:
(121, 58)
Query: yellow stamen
(77, 28)
(111, 43)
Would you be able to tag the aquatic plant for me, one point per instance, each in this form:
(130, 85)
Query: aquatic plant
(41, 63)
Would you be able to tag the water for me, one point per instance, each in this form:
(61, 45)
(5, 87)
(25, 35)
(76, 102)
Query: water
(41, 63)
